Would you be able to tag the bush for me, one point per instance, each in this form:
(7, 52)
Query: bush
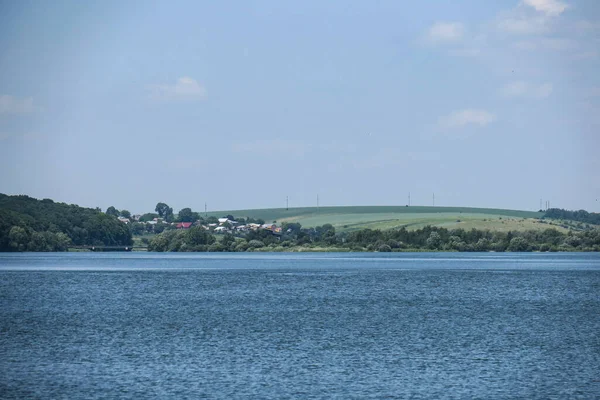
(255, 244)
(241, 247)
(394, 244)
(384, 248)
(217, 247)
(518, 244)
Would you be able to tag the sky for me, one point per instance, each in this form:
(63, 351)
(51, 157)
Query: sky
(241, 104)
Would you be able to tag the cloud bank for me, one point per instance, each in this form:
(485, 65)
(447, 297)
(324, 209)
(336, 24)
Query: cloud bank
(466, 117)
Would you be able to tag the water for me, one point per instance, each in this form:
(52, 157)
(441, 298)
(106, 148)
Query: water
(137, 325)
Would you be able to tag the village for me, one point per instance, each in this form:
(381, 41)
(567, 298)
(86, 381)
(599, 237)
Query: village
(212, 224)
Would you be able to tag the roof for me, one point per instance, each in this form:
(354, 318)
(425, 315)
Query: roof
(184, 225)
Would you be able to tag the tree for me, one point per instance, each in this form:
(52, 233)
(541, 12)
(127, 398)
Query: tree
(198, 236)
(291, 227)
(255, 244)
(148, 217)
(164, 211)
(18, 238)
(518, 244)
(434, 240)
(125, 214)
(105, 230)
(482, 244)
(137, 228)
(187, 215)
(228, 239)
(112, 211)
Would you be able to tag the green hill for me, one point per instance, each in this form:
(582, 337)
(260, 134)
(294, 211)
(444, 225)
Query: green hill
(390, 217)
(28, 224)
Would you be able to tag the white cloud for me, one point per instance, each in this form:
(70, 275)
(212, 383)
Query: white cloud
(531, 17)
(445, 32)
(523, 24)
(525, 89)
(14, 105)
(467, 117)
(548, 7)
(184, 88)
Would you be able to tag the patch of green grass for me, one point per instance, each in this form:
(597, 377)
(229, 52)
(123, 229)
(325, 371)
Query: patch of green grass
(271, 214)
(390, 217)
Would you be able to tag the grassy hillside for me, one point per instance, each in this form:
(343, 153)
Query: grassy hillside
(389, 217)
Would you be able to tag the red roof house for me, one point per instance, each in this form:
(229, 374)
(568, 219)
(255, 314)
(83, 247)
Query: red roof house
(183, 225)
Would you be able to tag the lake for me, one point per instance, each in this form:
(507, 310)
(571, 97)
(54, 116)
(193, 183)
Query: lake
(319, 325)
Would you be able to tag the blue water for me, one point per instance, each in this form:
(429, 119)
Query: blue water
(138, 325)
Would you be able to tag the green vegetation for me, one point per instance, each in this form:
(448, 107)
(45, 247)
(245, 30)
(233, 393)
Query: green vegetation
(393, 217)
(28, 224)
(296, 238)
(579, 216)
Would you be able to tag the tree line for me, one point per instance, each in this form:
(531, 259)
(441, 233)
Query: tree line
(580, 215)
(28, 224)
(295, 237)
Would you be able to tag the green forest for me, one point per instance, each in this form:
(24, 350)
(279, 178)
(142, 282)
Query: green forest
(28, 224)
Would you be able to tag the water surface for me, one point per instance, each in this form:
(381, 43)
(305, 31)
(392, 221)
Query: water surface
(131, 325)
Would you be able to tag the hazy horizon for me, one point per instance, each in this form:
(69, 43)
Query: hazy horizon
(486, 104)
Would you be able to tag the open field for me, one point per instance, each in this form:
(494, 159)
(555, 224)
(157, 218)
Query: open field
(390, 217)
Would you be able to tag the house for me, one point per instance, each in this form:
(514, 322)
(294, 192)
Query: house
(269, 227)
(183, 225)
(123, 220)
(223, 220)
(220, 229)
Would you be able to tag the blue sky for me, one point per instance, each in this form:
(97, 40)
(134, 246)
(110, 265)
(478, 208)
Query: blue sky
(240, 104)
